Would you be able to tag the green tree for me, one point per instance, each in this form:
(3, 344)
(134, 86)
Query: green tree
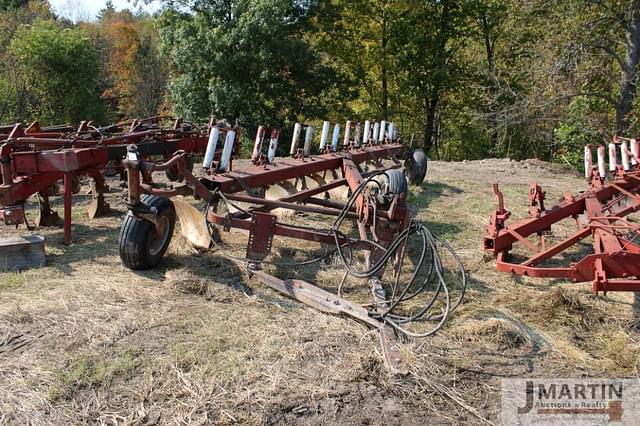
(58, 69)
(429, 38)
(6, 5)
(607, 37)
(249, 60)
(576, 130)
(357, 36)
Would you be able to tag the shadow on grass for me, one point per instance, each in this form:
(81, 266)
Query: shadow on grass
(524, 346)
(90, 243)
(429, 192)
(443, 230)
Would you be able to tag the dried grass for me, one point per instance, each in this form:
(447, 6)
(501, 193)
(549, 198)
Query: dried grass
(196, 341)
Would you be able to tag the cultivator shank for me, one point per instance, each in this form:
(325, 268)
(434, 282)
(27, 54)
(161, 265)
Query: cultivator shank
(602, 213)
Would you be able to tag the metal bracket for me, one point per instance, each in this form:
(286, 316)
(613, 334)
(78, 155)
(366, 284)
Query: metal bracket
(260, 235)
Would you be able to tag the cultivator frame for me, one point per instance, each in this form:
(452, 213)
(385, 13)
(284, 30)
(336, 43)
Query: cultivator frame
(34, 159)
(381, 215)
(601, 213)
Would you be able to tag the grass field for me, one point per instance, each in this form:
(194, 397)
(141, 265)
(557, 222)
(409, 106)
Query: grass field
(84, 340)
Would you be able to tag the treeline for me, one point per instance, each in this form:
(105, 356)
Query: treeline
(56, 72)
(462, 78)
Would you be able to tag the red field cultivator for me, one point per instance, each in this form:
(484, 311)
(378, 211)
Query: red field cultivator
(361, 180)
(33, 160)
(602, 213)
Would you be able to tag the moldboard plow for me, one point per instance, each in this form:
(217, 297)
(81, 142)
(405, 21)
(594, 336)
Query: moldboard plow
(33, 160)
(414, 279)
(602, 214)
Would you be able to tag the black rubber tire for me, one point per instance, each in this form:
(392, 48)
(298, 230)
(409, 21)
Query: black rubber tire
(140, 247)
(416, 166)
(394, 182)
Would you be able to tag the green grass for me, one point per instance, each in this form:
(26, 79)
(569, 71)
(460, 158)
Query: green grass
(94, 372)
(12, 280)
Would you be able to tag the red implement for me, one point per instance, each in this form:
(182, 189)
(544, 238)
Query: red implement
(600, 213)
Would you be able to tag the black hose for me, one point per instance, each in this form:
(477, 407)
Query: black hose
(389, 310)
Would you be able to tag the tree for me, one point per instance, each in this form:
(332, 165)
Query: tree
(6, 5)
(58, 69)
(246, 60)
(135, 73)
(12, 84)
(108, 12)
(602, 39)
(489, 17)
(356, 34)
(429, 38)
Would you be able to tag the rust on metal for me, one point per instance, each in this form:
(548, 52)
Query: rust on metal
(33, 159)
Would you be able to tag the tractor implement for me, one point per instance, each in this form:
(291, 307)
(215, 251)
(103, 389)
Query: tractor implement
(33, 160)
(360, 181)
(602, 214)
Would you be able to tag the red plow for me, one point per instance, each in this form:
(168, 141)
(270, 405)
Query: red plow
(603, 214)
(33, 160)
(359, 181)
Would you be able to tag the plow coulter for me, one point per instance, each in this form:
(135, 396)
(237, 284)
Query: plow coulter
(413, 279)
(601, 246)
(33, 160)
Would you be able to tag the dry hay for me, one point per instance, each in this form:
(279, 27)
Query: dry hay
(495, 332)
(196, 341)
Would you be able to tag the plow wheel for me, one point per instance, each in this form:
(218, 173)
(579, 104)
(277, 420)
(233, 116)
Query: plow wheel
(46, 216)
(142, 245)
(98, 206)
(392, 182)
(416, 166)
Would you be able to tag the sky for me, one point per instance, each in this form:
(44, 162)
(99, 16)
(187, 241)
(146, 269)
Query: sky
(79, 10)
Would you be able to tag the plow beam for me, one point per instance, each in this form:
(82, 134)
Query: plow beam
(34, 159)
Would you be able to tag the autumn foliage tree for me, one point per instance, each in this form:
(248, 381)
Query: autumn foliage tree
(135, 71)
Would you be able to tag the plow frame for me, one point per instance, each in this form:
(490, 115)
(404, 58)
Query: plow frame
(379, 223)
(599, 213)
(33, 160)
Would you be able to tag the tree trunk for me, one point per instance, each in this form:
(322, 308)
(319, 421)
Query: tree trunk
(629, 65)
(431, 105)
(488, 46)
(385, 90)
(439, 54)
